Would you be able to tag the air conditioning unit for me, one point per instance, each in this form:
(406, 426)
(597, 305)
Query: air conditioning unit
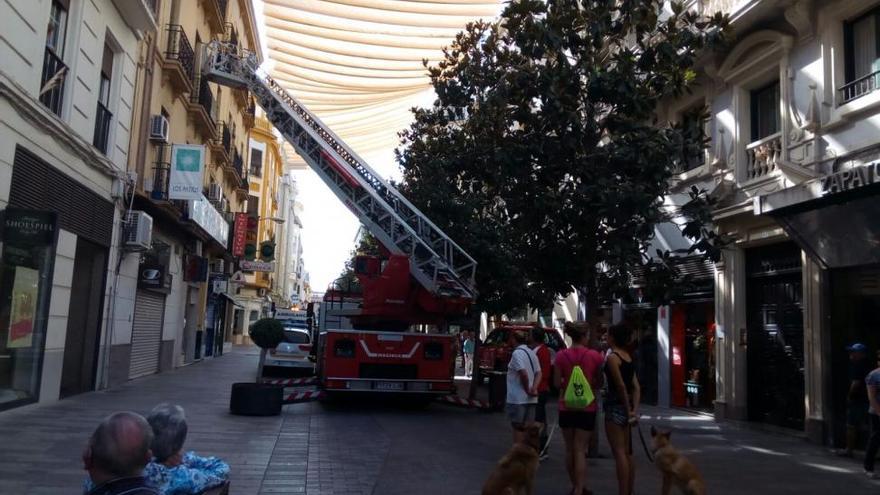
(159, 129)
(138, 232)
(215, 193)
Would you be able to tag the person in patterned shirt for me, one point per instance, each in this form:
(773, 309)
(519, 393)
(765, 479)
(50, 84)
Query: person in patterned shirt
(172, 471)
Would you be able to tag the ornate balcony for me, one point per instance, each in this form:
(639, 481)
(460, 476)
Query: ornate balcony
(249, 113)
(179, 63)
(222, 144)
(762, 156)
(201, 108)
(52, 82)
(161, 175)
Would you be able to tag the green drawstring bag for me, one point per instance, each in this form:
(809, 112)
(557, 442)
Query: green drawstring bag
(578, 393)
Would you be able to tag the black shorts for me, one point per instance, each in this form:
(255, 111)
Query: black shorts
(541, 411)
(581, 420)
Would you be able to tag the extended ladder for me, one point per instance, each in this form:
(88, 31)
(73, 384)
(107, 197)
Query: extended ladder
(436, 262)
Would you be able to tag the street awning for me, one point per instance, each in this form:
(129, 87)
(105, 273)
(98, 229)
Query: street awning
(230, 299)
(833, 218)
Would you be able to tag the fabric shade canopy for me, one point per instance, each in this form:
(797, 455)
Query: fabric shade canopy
(358, 63)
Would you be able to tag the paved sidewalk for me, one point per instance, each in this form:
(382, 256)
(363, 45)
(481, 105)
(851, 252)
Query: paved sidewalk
(361, 448)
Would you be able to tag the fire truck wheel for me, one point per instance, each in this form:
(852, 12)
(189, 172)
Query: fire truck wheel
(256, 399)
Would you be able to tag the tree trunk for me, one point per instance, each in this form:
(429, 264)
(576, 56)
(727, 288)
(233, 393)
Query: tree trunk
(260, 367)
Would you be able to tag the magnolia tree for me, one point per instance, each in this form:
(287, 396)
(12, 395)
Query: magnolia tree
(542, 155)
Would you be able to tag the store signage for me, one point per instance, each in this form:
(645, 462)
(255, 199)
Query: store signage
(29, 227)
(203, 213)
(187, 171)
(151, 276)
(257, 266)
(239, 234)
(853, 178)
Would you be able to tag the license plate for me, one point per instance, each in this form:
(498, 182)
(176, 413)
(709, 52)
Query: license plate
(389, 386)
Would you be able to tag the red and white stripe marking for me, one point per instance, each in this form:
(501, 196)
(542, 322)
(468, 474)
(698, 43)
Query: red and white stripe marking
(291, 382)
(461, 401)
(307, 396)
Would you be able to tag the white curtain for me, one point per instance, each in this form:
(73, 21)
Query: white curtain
(865, 47)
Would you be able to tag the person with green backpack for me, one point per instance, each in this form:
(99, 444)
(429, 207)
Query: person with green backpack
(578, 376)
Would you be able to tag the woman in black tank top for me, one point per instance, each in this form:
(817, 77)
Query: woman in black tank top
(621, 405)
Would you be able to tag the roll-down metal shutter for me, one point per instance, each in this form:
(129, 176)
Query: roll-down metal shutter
(146, 333)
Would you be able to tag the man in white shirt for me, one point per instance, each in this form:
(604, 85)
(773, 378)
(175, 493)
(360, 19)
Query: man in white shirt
(523, 377)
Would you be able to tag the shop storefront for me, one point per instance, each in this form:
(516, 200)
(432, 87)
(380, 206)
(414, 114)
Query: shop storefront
(28, 255)
(834, 220)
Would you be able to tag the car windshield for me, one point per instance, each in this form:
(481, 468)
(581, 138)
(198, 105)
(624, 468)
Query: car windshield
(497, 337)
(292, 336)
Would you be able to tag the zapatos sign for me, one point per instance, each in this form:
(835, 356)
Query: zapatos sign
(853, 178)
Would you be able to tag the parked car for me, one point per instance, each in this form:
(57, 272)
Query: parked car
(293, 356)
(495, 351)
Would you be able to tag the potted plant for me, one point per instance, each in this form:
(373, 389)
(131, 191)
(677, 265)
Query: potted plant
(259, 399)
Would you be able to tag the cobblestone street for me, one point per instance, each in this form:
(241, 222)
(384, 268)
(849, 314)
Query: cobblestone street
(374, 449)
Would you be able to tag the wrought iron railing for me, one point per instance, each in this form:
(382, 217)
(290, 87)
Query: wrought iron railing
(161, 175)
(224, 138)
(52, 81)
(860, 87)
(103, 117)
(181, 50)
(204, 97)
(238, 166)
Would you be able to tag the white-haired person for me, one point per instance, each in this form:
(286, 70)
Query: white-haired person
(173, 471)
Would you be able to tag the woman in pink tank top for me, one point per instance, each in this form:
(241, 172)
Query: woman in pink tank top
(577, 425)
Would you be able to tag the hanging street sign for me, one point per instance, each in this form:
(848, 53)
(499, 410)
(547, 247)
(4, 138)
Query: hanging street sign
(187, 171)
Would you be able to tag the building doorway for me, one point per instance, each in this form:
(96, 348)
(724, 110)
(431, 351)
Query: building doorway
(855, 317)
(84, 319)
(775, 336)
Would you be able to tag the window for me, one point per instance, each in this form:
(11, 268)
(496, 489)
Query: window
(693, 153)
(861, 55)
(103, 117)
(765, 111)
(54, 71)
(253, 206)
(57, 30)
(256, 168)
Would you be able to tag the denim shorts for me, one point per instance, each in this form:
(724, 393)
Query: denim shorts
(521, 414)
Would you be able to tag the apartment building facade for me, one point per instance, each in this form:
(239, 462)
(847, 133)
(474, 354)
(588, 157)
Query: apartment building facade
(187, 314)
(794, 117)
(67, 93)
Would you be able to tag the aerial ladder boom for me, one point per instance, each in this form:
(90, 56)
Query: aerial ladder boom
(436, 261)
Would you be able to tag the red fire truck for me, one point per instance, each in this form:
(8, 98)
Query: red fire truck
(421, 279)
(371, 341)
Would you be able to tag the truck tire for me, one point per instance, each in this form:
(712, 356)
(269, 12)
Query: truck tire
(256, 399)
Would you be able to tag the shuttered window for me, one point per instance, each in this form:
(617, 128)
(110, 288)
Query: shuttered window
(39, 186)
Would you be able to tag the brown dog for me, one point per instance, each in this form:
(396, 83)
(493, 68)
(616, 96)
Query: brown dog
(515, 472)
(675, 467)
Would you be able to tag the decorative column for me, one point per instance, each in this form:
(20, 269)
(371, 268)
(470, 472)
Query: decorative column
(816, 349)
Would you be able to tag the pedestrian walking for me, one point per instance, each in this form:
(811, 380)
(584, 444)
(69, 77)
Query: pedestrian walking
(523, 375)
(468, 350)
(621, 404)
(116, 455)
(542, 352)
(577, 369)
(872, 383)
(856, 396)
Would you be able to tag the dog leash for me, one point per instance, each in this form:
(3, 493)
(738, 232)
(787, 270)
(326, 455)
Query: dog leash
(644, 444)
(549, 438)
